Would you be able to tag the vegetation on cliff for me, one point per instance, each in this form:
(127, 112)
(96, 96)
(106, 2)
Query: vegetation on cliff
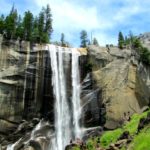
(134, 135)
(37, 29)
(134, 42)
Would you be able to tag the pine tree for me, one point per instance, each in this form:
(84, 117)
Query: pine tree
(19, 29)
(11, 23)
(83, 38)
(48, 21)
(121, 41)
(35, 32)
(41, 24)
(62, 39)
(2, 24)
(95, 42)
(28, 25)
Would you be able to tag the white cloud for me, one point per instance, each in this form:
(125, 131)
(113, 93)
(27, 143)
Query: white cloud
(104, 18)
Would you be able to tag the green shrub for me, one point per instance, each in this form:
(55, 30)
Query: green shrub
(145, 55)
(110, 137)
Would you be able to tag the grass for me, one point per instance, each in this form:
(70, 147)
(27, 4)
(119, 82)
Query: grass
(112, 136)
(133, 124)
(141, 141)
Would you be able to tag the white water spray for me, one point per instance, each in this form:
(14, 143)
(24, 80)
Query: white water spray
(66, 119)
(76, 93)
(62, 115)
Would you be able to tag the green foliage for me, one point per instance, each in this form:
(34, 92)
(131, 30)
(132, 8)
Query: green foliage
(76, 148)
(121, 41)
(41, 24)
(145, 55)
(10, 24)
(136, 44)
(84, 39)
(28, 25)
(62, 39)
(133, 124)
(91, 145)
(2, 24)
(48, 20)
(141, 141)
(95, 42)
(110, 137)
(19, 29)
(30, 28)
(45, 38)
(35, 33)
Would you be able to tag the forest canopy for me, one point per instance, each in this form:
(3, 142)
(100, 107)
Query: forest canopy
(36, 29)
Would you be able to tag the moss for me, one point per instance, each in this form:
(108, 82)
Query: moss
(76, 148)
(141, 141)
(133, 124)
(110, 137)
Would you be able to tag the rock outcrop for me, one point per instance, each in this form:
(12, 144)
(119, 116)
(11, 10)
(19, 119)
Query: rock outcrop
(123, 82)
(25, 83)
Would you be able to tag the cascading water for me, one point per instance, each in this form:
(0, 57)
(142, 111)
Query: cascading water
(66, 125)
(67, 111)
(76, 93)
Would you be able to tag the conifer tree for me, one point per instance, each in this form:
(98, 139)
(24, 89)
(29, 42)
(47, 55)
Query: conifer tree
(11, 23)
(83, 38)
(28, 25)
(35, 32)
(2, 24)
(19, 29)
(48, 21)
(41, 24)
(121, 41)
(95, 42)
(62, 39)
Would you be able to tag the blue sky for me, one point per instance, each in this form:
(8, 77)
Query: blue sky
(103, 18)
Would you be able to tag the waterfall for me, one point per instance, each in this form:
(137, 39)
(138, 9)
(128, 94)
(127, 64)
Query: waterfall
(62, 118)
(66, 119)
(76, 93)
(67, 109)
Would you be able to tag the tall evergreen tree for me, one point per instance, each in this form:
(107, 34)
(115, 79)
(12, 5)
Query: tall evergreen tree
(35, 32)
(11, 23)
(121, 41)
(2, 24)
(19, 29)
(28, 25)
(83, 38)
(41, 24)
(30, 29)
(48, 21)
(95, 42)
(62, 39)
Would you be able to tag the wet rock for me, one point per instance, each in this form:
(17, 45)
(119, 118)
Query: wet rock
(125, 135)
(93, 132)
(143, 122)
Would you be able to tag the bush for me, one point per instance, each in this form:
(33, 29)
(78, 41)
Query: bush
(145, 55)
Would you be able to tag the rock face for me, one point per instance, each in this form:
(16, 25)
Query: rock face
(117, 86)
(25, 83)
(123, 82)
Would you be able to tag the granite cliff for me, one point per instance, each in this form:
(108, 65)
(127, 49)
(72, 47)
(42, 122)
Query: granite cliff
(115, 85)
